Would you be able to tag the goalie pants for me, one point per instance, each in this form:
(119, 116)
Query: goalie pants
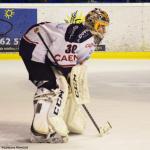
(37, 71)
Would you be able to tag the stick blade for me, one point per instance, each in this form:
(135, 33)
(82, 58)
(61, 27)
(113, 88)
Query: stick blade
(105, 129)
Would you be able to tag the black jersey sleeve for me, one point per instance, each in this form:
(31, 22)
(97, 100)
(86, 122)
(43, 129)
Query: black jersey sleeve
(77, 33)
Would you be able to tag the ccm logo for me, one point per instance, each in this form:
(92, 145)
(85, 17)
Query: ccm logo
(75, 85)
(89, 45)
(58, 103)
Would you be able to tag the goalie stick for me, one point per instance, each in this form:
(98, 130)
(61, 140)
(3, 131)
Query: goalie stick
(101, 130)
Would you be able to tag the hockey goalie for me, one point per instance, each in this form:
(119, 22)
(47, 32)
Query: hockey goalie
(54, 59)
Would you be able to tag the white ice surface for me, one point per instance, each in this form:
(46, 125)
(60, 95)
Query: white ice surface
(120, 93)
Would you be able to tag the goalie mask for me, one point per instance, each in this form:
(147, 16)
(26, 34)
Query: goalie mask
(96, 20)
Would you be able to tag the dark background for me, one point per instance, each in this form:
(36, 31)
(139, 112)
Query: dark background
(74, 1)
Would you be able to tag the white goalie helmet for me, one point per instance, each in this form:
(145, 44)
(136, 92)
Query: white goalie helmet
(96, 20)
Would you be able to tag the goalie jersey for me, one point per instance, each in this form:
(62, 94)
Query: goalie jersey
(70, 44)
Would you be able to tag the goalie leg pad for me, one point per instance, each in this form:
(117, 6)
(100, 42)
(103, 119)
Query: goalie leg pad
(40, 123)
(75, 116)
(48, 117)
(79, 84)
(55, 115)
(78, 94)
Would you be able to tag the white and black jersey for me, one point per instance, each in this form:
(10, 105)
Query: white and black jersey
(70, 44)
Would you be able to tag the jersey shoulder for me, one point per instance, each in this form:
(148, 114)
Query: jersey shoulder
(59, 27)
(77, 33)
